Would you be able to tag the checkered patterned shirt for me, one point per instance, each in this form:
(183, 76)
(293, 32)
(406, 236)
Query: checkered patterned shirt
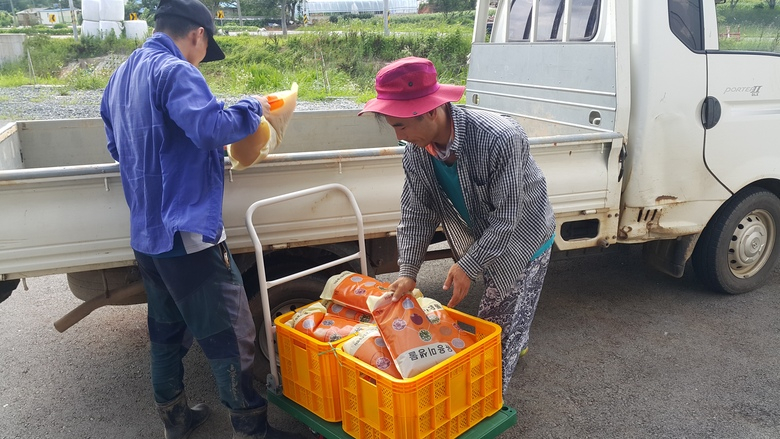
(505, 194)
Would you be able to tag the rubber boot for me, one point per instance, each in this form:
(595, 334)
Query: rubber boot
(253, 424)
(179, 419)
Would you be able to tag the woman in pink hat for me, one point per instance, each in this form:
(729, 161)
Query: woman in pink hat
(471, 172)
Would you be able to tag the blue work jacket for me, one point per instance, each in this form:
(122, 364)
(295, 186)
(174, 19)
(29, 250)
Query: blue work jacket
(168, 131)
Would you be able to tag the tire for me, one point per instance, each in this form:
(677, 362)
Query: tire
(7, 287)
(738, 249)
(283, 299)
(86, 285)
(294, 294)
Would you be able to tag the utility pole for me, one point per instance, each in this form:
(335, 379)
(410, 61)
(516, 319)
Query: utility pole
(73, 20)
(284, 18)
(240, 17)
(13, 14)
(386, 13)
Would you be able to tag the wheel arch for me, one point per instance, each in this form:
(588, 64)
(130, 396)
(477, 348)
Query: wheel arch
(291, 295)
(770, 184)
(284, 262)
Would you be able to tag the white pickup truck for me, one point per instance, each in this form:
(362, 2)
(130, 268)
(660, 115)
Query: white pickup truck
(646, 131)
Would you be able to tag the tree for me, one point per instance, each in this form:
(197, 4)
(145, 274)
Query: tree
(771, 3)
(144, 8)
(447, 6)
(18, 5)
(6, 19)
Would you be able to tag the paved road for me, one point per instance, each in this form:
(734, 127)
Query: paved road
(617, 351)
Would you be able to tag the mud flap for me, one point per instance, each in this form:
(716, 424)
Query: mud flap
(670, 255)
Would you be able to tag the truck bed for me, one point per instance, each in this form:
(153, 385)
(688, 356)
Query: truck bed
(64, 210)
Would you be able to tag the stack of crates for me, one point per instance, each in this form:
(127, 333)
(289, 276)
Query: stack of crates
(309, 370)
(440, 403)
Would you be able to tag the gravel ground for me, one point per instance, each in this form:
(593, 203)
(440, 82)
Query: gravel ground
(52, 102)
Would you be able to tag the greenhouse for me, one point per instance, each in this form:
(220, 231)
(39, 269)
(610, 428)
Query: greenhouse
(316, 7)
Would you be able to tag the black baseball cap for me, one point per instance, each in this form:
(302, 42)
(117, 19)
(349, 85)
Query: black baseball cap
(198, 13)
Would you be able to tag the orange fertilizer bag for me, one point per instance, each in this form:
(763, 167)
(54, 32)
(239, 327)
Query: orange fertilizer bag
(436, 314)
(415, 343)
(349, 313)
(306, 319)
(369, 346)
(352, 289)
(333, 328)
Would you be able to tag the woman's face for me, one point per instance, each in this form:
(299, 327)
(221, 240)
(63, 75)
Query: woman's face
(419, 130)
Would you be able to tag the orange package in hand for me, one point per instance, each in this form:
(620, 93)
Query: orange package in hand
(415, 343)
(333, 328)
(306, 319)
(369, 346)
(352, 289)
(348, 313)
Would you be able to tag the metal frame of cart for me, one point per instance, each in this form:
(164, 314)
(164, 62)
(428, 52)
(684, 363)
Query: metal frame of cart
(490, 427)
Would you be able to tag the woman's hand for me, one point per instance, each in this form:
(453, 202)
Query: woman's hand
(401, 286)
(459, 281)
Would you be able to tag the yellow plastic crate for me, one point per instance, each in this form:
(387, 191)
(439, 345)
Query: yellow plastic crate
(440, 403)
(309, 370)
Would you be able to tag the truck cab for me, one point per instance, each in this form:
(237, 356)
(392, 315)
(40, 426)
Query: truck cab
(693, 174)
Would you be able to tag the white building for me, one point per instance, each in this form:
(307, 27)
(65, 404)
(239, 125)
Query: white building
(50, 16)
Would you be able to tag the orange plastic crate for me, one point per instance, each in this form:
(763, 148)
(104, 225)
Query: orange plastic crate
(309, 370)
(442, 402)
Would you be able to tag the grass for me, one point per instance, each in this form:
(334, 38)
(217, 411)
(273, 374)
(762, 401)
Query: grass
(322, 66)
(758, 26)
(332, 58)
(325, 64)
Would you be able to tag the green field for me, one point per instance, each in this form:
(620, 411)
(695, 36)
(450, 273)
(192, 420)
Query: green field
(751, 24)
(328, 60)
(336, 57)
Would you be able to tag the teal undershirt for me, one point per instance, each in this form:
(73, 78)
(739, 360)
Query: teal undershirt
(448, 179)
(544, 247)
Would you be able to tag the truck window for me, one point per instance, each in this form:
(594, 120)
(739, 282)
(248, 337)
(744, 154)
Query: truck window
(749, 27)
(583, 20)
(685, 21)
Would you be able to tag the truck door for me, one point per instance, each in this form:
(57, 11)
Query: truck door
(740, 246)
(742, 108)
(553, 65)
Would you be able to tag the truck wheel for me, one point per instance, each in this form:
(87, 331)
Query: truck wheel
(283, 299)
(7, 287)
(739, 247)
(86, 285)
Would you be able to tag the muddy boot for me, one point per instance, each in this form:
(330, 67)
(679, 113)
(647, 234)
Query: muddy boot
(253, 424)
(180, 420)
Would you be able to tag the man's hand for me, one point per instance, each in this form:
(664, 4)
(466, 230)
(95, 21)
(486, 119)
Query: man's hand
(459, 281)
(263, 104)
(401, 286)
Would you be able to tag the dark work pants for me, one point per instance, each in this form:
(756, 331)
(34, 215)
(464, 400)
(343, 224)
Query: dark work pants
(198, 295)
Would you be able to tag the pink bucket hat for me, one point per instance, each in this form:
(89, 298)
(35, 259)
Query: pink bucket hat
(408, 87)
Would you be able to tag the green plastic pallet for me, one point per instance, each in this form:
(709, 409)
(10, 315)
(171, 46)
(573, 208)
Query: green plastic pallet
(488, 428)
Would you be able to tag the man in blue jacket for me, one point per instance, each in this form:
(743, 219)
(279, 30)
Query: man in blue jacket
(167, 131)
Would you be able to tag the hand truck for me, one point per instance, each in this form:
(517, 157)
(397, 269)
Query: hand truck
(490, 427)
